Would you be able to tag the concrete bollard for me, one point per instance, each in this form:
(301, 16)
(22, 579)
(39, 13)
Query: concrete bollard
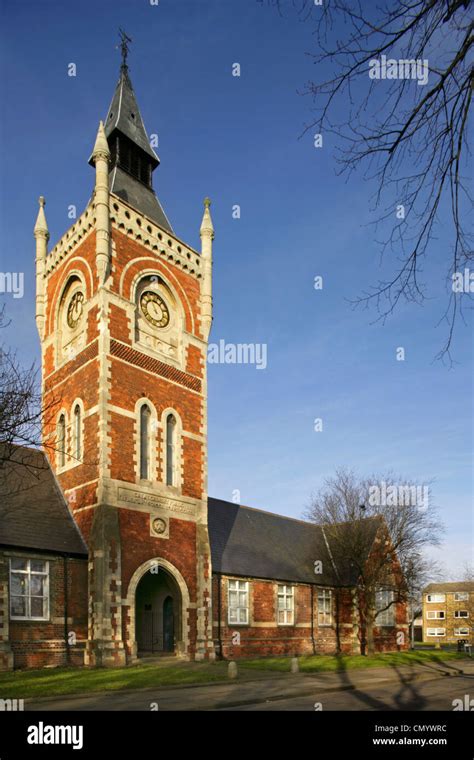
(295, 668)
(232, 670)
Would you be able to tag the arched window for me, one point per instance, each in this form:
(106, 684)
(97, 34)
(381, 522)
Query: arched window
(145, 415)
(77, 432)
(62, 440)
(170, 450)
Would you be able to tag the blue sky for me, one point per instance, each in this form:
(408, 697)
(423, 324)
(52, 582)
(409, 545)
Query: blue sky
(236, 139)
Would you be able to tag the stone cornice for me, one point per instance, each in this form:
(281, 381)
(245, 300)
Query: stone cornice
(158, 241)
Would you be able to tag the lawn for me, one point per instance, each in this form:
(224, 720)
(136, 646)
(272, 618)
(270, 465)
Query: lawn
(326, 663)
(50, 682)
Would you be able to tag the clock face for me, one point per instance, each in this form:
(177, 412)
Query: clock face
(75, 309)
(154, 309)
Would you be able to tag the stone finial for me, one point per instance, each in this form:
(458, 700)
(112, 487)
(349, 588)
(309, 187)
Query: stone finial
(207, 228)
(41, 226)
(101, 147)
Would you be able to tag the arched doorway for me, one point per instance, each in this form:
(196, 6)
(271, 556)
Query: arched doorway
(158, 614)
(168, 624)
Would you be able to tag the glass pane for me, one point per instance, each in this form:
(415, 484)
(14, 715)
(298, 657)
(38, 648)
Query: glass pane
(38, 566)
(38, 585)
(242, 598)
(18, 606)
(233, 615)
(37, 605)
(19, 583)
(18, 564)
(243, 616)
(233, 598)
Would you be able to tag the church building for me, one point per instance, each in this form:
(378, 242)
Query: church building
(110, 547)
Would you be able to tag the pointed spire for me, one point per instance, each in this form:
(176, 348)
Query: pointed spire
(207, 228)
(41, 226)
(125, 117)
(101, 146)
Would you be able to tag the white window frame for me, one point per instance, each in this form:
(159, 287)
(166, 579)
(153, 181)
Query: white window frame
(435, 615)
(27, 574)
(239, 587)
(435, 598)
(325, 617)
(438, 632)
(386, 618)
(462, 632)
(461, 596)
(457, 614)
(286, 592)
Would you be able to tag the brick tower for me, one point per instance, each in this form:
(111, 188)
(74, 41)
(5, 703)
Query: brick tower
(123, 310)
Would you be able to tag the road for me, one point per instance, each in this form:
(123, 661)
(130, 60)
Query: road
(299, 693)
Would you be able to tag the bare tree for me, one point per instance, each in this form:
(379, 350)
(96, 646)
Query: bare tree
(410, 137)
(376, 530)
(21, 411)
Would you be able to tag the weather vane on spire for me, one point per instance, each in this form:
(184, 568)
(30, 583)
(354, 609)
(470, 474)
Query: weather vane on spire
(125, 40)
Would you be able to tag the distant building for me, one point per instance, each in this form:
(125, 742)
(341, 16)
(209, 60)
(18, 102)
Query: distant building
(447, 612)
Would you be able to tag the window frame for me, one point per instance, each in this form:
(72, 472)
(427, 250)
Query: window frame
(435, 635)
(28, 572)
(239, 582)
(387, 614)
(171, 475)
(458, 616)
(461, 596)
(435, 615)
(325, 595)
(457, 631)
(62, 440)
(285, 594)
(440, 600)
(77, 432)
(144, 444)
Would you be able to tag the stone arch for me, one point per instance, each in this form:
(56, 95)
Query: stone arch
(130, 602)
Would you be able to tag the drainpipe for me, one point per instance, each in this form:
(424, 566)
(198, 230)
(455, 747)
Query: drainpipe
(312, 619)
(219, 605)
(66, 604)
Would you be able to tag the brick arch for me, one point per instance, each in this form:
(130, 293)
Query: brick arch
(134, 270)
(130, 600)
(76, 267)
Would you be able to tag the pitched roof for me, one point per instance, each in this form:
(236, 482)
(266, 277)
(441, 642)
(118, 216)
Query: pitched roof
(139, 196)
(451, 586)
(253, 543)
(33, 511)
(124, 115)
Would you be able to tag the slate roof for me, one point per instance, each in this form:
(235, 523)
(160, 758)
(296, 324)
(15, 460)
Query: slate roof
(124, 115)
(139, 196)
(125, 118)
(254, 543)
(33, 511)
(449, 587)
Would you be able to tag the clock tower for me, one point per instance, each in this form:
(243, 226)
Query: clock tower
(123, 310)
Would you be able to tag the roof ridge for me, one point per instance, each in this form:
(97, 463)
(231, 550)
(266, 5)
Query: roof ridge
(266, 512)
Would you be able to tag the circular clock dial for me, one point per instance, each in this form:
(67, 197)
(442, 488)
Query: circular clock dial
(75, 309)
(154, 309)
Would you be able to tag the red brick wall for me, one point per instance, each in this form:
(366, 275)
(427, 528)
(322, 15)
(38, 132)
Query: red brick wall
(37, 644)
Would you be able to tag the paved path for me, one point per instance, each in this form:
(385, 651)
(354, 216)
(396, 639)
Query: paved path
(410, 688)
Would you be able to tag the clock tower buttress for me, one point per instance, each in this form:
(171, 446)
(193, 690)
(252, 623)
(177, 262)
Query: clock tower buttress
(124, 310)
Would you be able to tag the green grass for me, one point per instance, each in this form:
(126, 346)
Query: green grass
(321, 663)
(51, 682)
